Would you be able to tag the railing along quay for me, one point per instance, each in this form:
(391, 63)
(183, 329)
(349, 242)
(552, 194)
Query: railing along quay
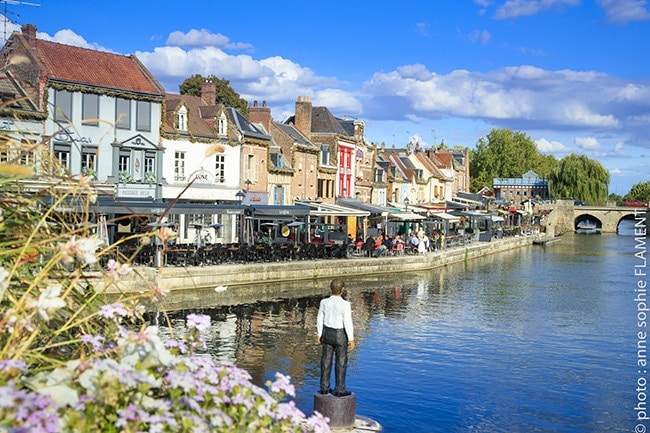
(234, 253)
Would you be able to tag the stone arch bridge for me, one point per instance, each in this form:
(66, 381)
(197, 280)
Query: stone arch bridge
(607, 218)
(563, 216)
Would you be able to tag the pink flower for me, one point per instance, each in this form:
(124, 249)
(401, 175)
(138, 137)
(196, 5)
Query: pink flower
(116, 270)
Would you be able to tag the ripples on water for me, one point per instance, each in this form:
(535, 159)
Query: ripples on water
(539, 339)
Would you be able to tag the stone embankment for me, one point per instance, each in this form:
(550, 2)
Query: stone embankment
(226, 281)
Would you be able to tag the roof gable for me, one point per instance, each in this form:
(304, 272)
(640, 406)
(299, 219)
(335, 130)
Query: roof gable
(322, 121)
(196, 123)
(14, 99)
(75, 65)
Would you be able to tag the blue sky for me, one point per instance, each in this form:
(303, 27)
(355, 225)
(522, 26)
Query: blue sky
(572, 74)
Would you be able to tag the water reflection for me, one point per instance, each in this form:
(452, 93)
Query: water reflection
(527, 340)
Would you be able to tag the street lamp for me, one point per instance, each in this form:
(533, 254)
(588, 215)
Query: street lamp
(406, 204)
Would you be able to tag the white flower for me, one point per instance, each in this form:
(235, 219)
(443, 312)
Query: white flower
(49, 302)
(4, 280)
(83, 249)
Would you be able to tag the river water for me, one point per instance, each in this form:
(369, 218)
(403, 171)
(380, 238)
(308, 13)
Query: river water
(538, 339)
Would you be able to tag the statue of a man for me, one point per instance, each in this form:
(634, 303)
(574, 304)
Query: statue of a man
(336, 335)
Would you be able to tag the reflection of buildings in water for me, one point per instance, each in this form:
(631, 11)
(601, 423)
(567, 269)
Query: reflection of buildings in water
(422, 289)
(272, 337)
(224, 333)
(280, 336)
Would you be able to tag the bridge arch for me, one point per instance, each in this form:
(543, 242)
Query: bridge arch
(628, 217)
(608, 219)
(586, 217)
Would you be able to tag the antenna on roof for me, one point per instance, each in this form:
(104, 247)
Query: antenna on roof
(6, 18)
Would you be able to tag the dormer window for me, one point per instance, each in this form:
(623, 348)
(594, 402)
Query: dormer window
(181, 118)
(222, 126)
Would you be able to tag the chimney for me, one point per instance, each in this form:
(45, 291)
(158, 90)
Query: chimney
(29, 31)
(261, 115)
(302, 120)
(209, 93)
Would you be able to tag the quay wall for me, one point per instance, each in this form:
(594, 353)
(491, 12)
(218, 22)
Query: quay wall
(235, 277)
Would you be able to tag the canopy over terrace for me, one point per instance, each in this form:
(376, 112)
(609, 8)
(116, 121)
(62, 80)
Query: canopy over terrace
(480, 223)
(247, 217)
(330, 212)
(378, 214)
(106, 205)
(375, 210)
(444, 219)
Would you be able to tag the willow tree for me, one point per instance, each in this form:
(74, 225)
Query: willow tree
(504, 153)
(581, 178)
(225, 94)
(639, 191)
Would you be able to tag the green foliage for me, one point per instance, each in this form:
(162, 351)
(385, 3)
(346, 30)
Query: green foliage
(639, 191)
(226, 95)
(77, 353)
(616, 198)
(504, 153)
(581, 178)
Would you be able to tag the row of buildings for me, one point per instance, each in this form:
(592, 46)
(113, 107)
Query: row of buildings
(105, 116)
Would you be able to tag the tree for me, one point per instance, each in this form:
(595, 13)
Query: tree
(639, 191)
(504, 153)
(581, 178)
(615, 198)
(226, 95)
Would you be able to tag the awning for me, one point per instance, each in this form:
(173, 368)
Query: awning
(476, 214)
(405, 216)
(329, 209)
(278, 212)
(356, 204)
(410, 207)
(465, 197)
(446, 216)
(455, 205)
(497, 218)
(108, 205)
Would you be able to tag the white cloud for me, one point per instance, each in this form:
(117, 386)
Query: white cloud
(552, 146)
(203, 38)
(68, 37)
(618, 149)
(422, 28)
(482, 36)
(587, 143)
(625, 11)
(339, 102)
(517, 8)
(523, 96)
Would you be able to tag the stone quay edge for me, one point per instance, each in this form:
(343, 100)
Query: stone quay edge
(227, 284)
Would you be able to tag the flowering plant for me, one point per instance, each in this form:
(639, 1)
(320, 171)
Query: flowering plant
(76, 353)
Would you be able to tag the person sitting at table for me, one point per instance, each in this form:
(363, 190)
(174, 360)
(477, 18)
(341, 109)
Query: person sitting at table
(413, 242)
(397, 246)
(380, 248)
(388, 243)
(369, 246)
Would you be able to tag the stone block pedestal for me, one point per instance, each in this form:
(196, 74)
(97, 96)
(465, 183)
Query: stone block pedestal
(340, 410)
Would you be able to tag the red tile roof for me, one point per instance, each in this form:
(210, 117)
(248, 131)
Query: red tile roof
(198, 125)
(445, 158)
(95, 68)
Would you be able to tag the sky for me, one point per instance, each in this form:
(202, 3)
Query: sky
(574, 75)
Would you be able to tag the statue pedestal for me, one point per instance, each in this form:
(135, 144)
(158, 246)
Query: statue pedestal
(340, 410)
